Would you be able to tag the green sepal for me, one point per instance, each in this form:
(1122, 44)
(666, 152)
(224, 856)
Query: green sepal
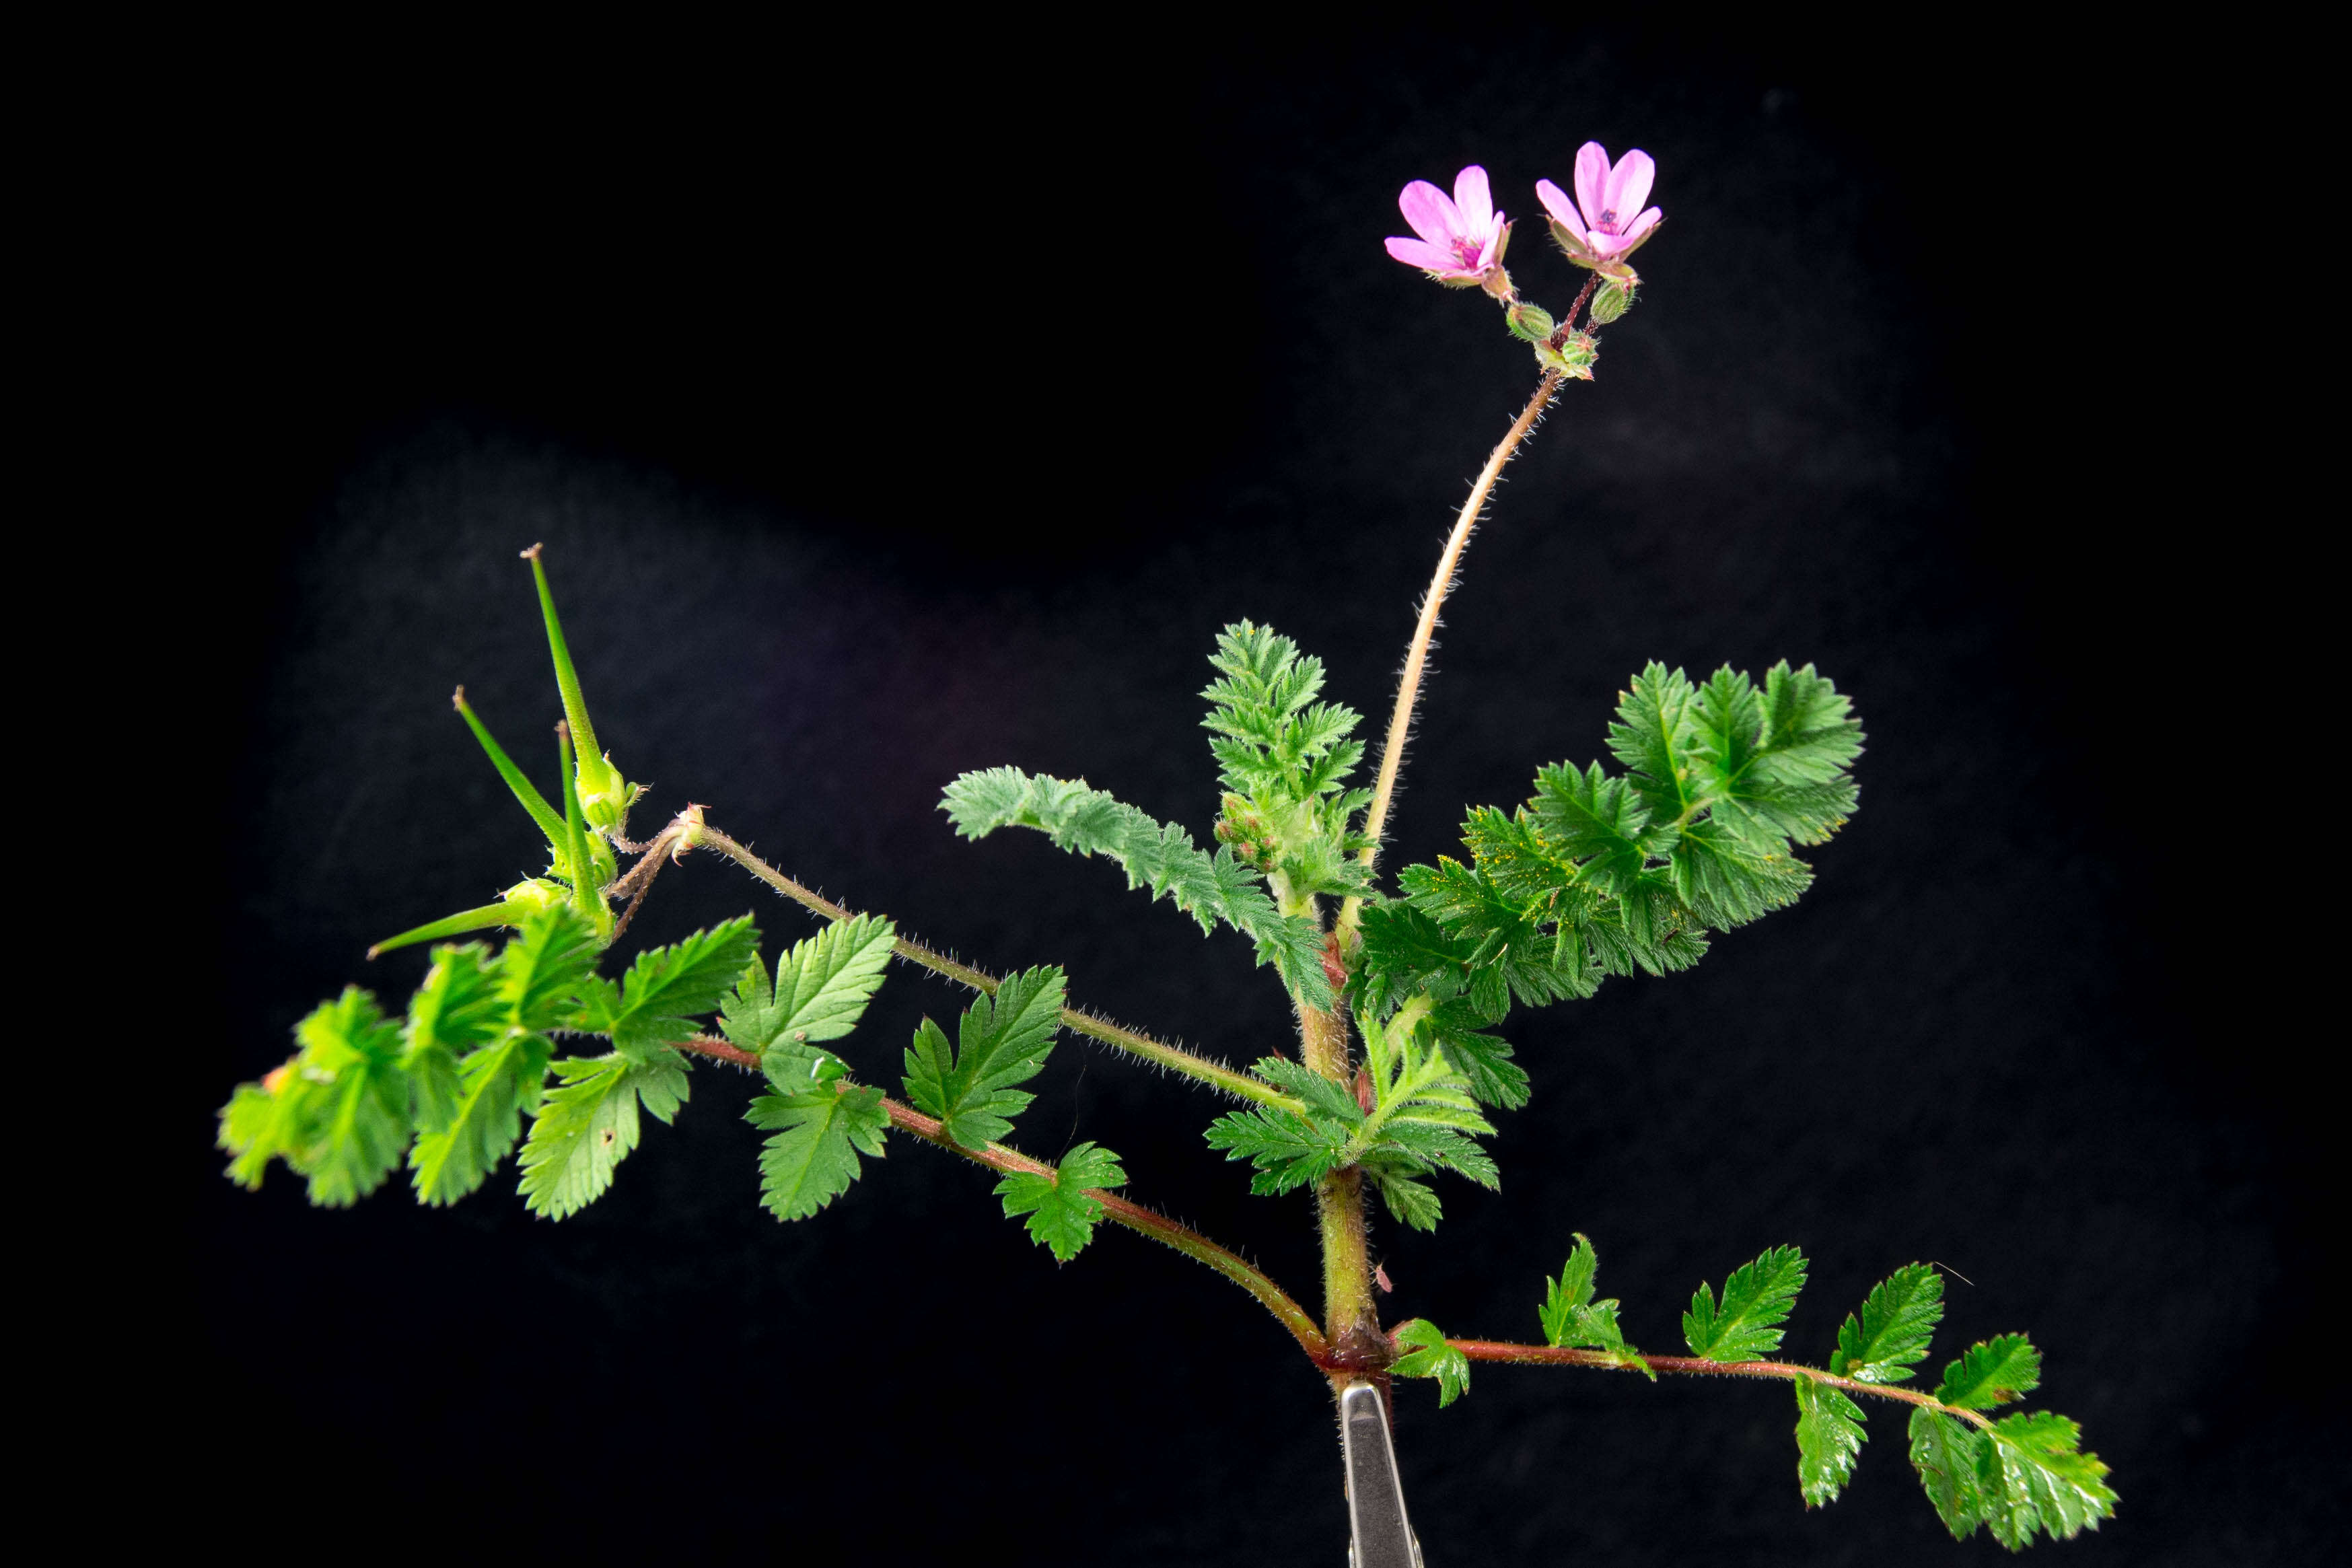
(1430, 1356)
(1890, 1335)
(1757, 1299)
(1829, 1436)
(819, 1134)
(1001, 1040)
(1062, 1216)
(589, 1125)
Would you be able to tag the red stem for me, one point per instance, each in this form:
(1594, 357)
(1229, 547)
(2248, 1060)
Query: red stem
(1561, 1355)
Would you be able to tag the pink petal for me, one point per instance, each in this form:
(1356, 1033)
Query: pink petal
(1629, 184)
(1555, 202)
(1431, 212)
(1607, 245)
(1420, 252)
(1474, 201)
(1645, 224)
(1591, 181)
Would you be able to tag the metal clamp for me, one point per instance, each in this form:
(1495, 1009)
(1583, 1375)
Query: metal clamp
(1380, 1536)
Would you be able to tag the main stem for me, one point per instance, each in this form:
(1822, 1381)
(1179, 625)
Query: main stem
(1416, 654)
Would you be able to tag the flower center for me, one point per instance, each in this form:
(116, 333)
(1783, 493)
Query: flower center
(1466, 251)
(1607, 222)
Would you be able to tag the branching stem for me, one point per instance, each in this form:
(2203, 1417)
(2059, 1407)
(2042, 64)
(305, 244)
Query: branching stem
(1416, 655)
(1133, 1215)
(1561, 1355)
(1216, 1074)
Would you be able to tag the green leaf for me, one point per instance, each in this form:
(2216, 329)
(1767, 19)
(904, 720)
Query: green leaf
(1891, 1333)
(1944, 1452)
(1572, 1317)
(1782, 762)
(1653, 737)
(821, 986)
(1209, 888)
(541, 975)
(2035, 1477)
(1000, 1041)
(495, 1086)
(1408, 1201)
(1061, 1215)
(1484, 1059)
(453, 1014)
(1756, 1298)
(1274, 741)
(590, 1124)
(542, 971)
(1288, 1149)
(1430, 1356)
(337, 1112)
(667, 988)
(1998, 1371)
(1829, 1436)
(813, 1157)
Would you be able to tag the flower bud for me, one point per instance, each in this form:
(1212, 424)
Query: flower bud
(1616, 298)
(1532, 322)
(1573, 358)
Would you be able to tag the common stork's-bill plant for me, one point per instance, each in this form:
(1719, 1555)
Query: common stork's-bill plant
(1400, 979)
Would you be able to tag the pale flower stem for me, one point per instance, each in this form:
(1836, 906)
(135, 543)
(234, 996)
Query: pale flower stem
(1416, 654)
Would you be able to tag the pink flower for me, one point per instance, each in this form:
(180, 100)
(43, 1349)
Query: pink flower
(1613, 223)
(1461, 235)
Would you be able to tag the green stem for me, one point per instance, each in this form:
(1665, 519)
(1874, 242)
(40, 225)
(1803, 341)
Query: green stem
(1215, 1074)
(1561, 1355)
(585, 897)
(1416, 655)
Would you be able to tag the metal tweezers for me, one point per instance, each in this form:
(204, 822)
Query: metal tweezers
(1380, 1536)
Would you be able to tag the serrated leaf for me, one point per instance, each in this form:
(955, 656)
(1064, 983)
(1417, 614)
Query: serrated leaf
(1890, 1335)
(542, 970)
(1572, 1317)
(821, 986)
(1653, 736)
(1484, 1059)
(1062, 1216)
(667, 988)
(1288, 1149)
(813, 1157)
(337, 1113)
(1428, 1355)
(1829, 1436)
(1757, 1299)
(1160, 856)
(1944, 1452)
(1000, 1041)
(455, 1013)
(2035, 1477)
(589, 1125)
(1998, 1371)
(1408, 1201)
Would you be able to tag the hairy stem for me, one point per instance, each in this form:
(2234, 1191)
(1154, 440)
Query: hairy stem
(1351, 1322)
(1416, 654)
(1133, 1215)
(1561, 1355)
(1216, 1074)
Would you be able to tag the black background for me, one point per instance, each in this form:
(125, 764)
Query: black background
(900, 405)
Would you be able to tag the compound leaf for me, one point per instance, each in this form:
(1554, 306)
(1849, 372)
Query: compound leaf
(667, 988)
(1757, 1299)
(1890, 1335)
(1000, 1041)
(1998, 1371)
(1430, 1356)
(1062, 1215)
(819, 1134)
(1829, 1436)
